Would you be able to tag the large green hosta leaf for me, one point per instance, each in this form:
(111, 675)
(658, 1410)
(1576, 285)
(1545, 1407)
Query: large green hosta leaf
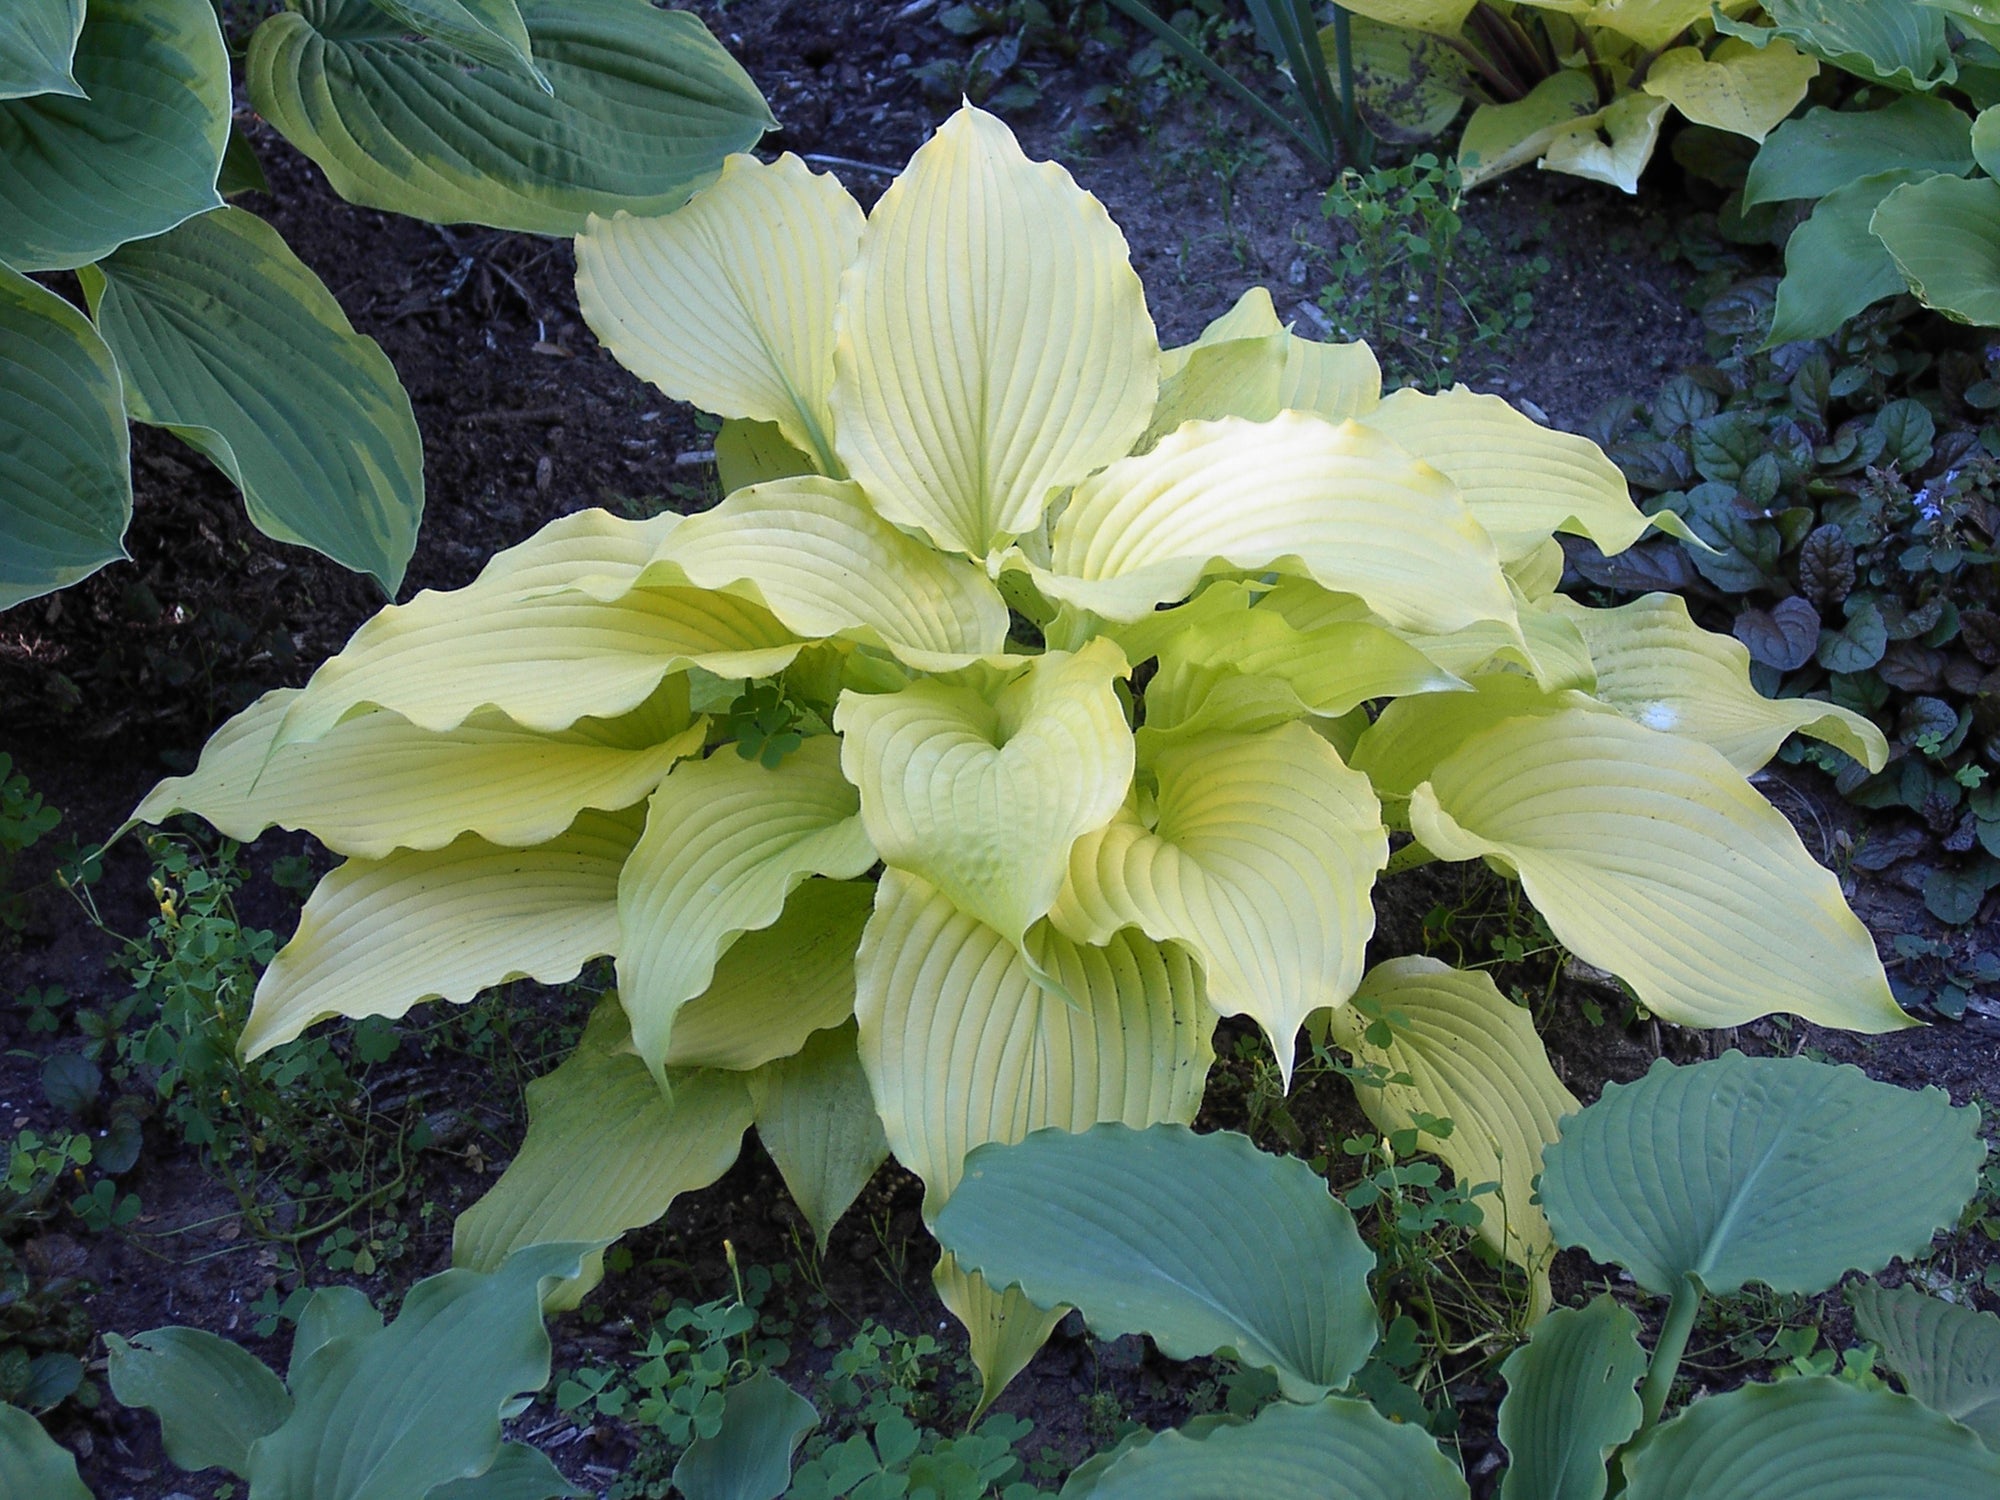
(1947, 1356)
(1570, 1401)
(214, 1399)
(81, 176)
(37, 42)
(1834, 263)
(1777, 1170)
(1201, 1241)
(1827, 149)
(1944, 233)
(230, 343)
(1892, 40)
(32, 1463)
(749, 1457)
(645, 106)
(65, 455)
(491, 31)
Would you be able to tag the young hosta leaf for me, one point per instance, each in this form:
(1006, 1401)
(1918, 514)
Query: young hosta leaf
(376, 783)
(231, 344)
(1947, 1356)
(1827, 149)
(1816, 1438)
(812, 552)
(518, 1472)
(33, 1463)
(1944, 233)
(1616, 146)
(65, 455)
(726, 841)
(984, 798)
(1651, 856)
(379, 936)
(1570, 1401)
(606, 1151)
(1898, 43)
(775, 987)
(1261, 859)
(1334, 1450)
(1834, 264)
(961, 415)
(489, 31)
(37, 44)
(1342, 505)
(645, 105)
(1743, 89)
(1470, 1056)
(1202, 1242)
(817, 1119)
(1657, 667)
(729, 302)
(391, 1414)
(134, 151)
(750, 1456)
(1500, 137)
(1777, 1170)
(214, 1399)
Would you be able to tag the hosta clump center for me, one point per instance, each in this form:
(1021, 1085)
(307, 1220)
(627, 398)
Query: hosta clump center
(949, 410)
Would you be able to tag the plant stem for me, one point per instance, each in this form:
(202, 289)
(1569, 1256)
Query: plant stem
(1667, 1353)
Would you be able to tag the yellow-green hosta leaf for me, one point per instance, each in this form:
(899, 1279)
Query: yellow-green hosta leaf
(1650, 23)
(645, 105)
(1250, 316)
(963, 1044)
(1743, 89)
(775, 987)
(1234, 378)
(133, 150)
(525, 639)
(814, 553)
(1549, 648)
(729, 302)
(1342, 505)
(1500, 137)
(1650, 856)
(231, 343)
(1521, 480)
(748, 453)
(817, 1119)
(1246, 364)
(984, 796)
(994, 342)
(376, 783)
(606, 1151)
(379, 936)
(726, 841)
(1471, 1057)
(37, 45)
(1656, 666)
(1261, 861)
(1614, 147)
(1537, 574)
(1412, 735)
(1408, 86)
(1441, 16)
(1003, 1329)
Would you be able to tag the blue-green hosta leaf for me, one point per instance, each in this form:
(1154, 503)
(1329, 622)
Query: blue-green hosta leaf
(230, 343)
(37, 42)
(1944, 233)
(1777, 1170)
(81, 176)
(390, 1414)
(645, 106)
(65, 454)
(1900, 44)
(33, 1463)
(1570, 1401)
(489, 31)
(1333, 1450)
(1947, 1356)
(1200, 1241)
(750, 1456)
(332, 1312)
(1827, 149)
(816, 1118)
(1834, 263)
(519, 1472)
(1810, 1439)
(214, 1399)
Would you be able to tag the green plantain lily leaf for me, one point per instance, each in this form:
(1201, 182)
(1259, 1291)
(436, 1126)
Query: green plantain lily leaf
(645, 106)
(228, 341)
(750, 1456)
(241, 172)
(1570, 1401)
(1944, 233)
(1948, 1357)
(214, 1399)
(79, 176)
(816, 1118)
(1900, 44)
(1202, 1241)
(518, 1473)
(489, 31)
(1333, 1450)
(1777, 1170)
(1834, 263)
(37, 44)
(65, 455)
(1810, 1439)
(1827, 149)
(33, 1463)
(332, 1312)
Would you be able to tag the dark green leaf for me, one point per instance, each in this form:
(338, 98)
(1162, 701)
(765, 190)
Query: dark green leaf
(37, 41)
(213, 1398)
(750, 1456)
(1827, 149)
(31, 1464)
(1726, 444)
(1857, 645)
(1834, 264)
(1954, 893)
(1826, 568)
(519, 1472)
(1891, 40)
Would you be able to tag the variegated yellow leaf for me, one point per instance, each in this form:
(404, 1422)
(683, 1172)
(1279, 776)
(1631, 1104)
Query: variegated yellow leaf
(1441, 16)
(1500, 137)
(1261, 861)
(729, 302)
(726, 841)
(1003, 1329)
(816, 1118)
(983, 795)
(1652, 23)
(1743, 89)
(994, 343)
(378, 936)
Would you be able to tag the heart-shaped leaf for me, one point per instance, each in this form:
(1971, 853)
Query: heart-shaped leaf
(1571, 1400)
(1857, 645)
(1772, 1169)
(1947, 1356)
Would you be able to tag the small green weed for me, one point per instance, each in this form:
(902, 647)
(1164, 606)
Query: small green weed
(25, 820)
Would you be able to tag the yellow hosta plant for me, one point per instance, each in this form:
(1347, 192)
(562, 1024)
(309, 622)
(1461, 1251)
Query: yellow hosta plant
(1035, 697)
